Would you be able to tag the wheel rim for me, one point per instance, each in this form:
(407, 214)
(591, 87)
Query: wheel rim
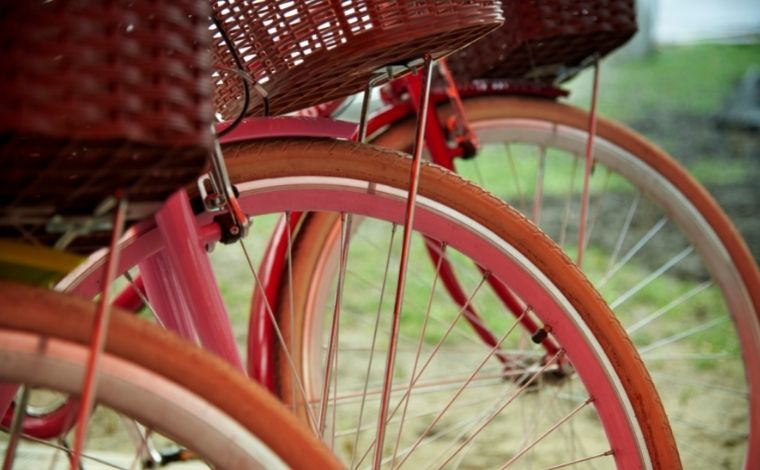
(144, 396)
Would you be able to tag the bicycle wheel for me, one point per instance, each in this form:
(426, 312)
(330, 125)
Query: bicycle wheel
(659, 249)
(620, 417)
(149, 377)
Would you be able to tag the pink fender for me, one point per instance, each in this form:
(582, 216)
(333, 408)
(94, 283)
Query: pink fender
(289, 126)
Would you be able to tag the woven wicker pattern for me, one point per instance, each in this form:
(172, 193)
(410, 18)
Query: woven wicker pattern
(544, 38)
(98, 96)
(306, 52)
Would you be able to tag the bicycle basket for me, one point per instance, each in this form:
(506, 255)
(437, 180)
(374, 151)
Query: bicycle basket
(547, 39)
(98, 96)
(306, 52)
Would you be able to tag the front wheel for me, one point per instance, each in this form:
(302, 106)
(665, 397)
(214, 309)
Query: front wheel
(559, 384)
(658, 248)
(154, 392)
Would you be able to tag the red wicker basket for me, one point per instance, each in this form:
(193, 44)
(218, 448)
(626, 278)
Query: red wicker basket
(98, 96)
(547, 38)
(306, 52)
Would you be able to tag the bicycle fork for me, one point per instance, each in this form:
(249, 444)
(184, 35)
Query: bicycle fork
(181, 286)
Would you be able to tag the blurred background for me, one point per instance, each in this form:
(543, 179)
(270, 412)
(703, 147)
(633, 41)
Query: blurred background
(690, 82)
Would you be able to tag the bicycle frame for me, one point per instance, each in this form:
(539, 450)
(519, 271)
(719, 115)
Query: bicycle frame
(177, 280)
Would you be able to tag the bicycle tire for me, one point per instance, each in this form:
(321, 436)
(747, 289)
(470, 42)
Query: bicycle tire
(45, 336)
(266, 172)
(701, 221)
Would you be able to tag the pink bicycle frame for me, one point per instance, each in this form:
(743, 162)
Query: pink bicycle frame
(177, 280)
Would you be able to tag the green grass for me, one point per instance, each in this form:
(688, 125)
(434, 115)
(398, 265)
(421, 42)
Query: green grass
(715, 171)
(690, 79)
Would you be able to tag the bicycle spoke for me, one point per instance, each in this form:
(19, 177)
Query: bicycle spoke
(467, 275)
(419, 350)
(568, 203)
(464, 384)
(16, 425)
(438, 345)
(410, 417)
(141, 295)
(278, 332)
(440, 434)
(713, 357)
(411, 340)
(577, 445)
(65, 449)
(465, 429)
(653, 276)
(684, 378)
(669, 307)
(432, 385)
(710, 429)
(431, 356)
(538, 190)
(624, 231)
(684, 334)
(511, 399)
(515, 177)
(582, 460)
(598, 204)
(547, 432)
(478, 174)
(539, 411)
(332, 350)
(414, 276)
(632, 252)
(374, 340)
(698, 451)
(143, 447)
(291, 313)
